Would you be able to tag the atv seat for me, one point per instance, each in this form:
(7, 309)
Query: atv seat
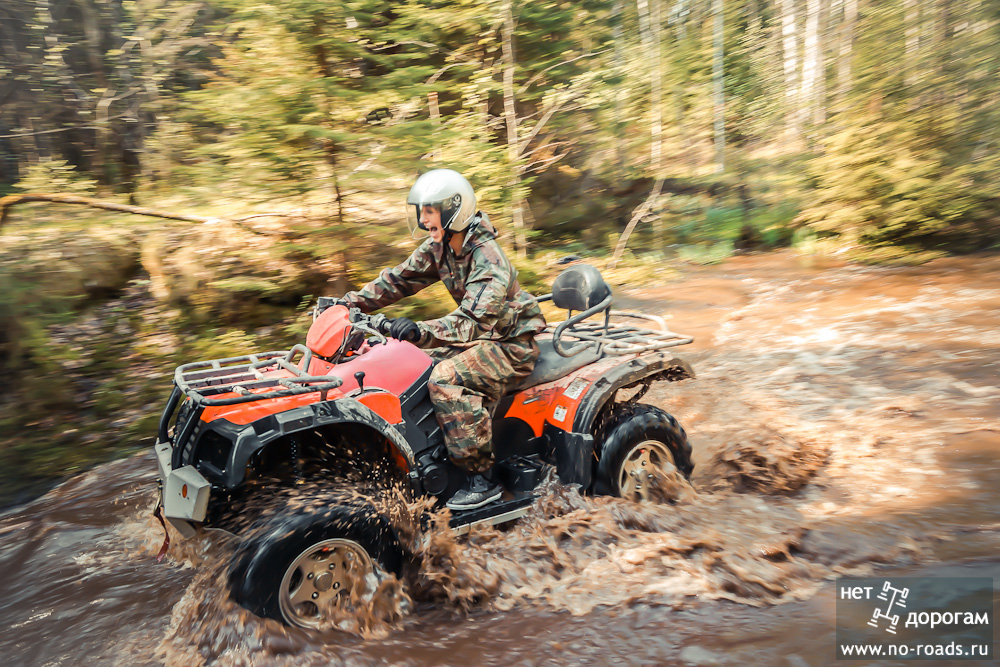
(583, 289)
(551, 365)
(570, 345)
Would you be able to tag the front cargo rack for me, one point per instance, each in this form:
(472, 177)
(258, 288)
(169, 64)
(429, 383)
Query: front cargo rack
(205, 381)
(201, 380)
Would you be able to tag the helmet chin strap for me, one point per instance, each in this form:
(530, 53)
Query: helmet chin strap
(448, 234)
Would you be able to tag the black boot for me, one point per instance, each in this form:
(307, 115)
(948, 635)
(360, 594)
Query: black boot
(478, 490)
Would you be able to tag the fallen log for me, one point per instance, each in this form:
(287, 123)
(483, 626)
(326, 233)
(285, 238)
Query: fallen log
(8, 202)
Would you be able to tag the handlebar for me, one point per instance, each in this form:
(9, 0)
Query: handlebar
(323, 303)
(372, 325)
(377, 325)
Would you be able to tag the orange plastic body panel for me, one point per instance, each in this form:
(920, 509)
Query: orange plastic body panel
(533, 405)
(384, 404)
(557, 402)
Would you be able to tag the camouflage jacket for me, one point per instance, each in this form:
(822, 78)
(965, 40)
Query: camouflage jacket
(483, 282)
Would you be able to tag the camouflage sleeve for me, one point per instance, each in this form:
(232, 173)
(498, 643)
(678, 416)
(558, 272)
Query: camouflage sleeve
(412, 275)
(484, 303)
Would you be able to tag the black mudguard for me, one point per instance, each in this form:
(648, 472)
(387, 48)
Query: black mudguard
(255, 436)
(654, 367)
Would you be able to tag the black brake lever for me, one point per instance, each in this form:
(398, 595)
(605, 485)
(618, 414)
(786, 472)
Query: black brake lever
(377, 325)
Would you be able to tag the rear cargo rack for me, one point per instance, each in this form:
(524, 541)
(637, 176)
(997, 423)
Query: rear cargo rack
(610, 338)
(204, 382)
(620, 338)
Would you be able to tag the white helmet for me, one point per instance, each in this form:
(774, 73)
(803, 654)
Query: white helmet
(450, 192)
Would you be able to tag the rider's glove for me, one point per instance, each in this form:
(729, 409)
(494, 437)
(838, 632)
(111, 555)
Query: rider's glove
(403, 328)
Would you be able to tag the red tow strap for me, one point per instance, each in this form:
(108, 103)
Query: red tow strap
(158, 513)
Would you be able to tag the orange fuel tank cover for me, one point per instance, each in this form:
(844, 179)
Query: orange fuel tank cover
(326, 335)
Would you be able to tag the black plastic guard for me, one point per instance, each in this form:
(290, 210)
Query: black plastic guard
(574, 455)
(655, 366)
(262, 432)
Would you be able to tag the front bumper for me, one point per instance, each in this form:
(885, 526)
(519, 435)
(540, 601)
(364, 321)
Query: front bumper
(184, 492)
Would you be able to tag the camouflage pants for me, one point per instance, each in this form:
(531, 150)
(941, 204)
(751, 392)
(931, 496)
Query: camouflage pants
(468, 379)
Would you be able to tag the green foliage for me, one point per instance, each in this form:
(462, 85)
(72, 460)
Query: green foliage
(706, 253)
(221, 344)
(83, 81)
(223, 274)
(881, 184)
(913, 164)
(329, 105)
(55, 176)
(47, 274)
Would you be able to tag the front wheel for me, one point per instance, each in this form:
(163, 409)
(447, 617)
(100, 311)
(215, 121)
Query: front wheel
(300, 568)
(638, 440)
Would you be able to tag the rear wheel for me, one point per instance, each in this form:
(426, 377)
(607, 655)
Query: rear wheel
(299, 568)
(637, 441)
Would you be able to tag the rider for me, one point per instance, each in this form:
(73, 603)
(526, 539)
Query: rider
(483, 346)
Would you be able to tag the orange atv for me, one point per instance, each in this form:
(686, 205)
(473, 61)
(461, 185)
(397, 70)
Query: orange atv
(351, 406)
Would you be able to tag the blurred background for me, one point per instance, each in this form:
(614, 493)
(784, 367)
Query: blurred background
(636, 135)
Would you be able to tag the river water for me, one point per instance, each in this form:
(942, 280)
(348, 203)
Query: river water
(845, 420)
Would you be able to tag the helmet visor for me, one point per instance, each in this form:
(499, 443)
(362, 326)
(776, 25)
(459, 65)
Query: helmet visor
(414, 214)
(417, 230)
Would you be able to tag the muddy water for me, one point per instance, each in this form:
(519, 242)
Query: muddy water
(844, 420)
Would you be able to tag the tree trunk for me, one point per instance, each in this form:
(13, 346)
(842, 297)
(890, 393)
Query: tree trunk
(343, 259)
(25, 140)
(649, 35)
(790, 47)
(656, 87)
(643, 209)
(513, 151)
(718, 75)
(649, 30)
(812, 60)
(911, 57)
(325, 69)
(618, 17)
(8, 202)
(823, 47)
(92, 33)
(844, 77)
(943, 51)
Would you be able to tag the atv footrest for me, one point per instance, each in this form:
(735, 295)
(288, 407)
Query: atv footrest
(503, 510)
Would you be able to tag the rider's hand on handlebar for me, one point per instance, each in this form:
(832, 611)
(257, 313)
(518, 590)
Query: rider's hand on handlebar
(403, 328)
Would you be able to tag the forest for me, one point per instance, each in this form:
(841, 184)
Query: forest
(282, 136)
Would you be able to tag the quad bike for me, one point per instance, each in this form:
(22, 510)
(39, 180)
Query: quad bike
(234, 428)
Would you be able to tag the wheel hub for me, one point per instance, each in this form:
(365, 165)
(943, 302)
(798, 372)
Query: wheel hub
(324, 582)
(315, 581)
(636, 477)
